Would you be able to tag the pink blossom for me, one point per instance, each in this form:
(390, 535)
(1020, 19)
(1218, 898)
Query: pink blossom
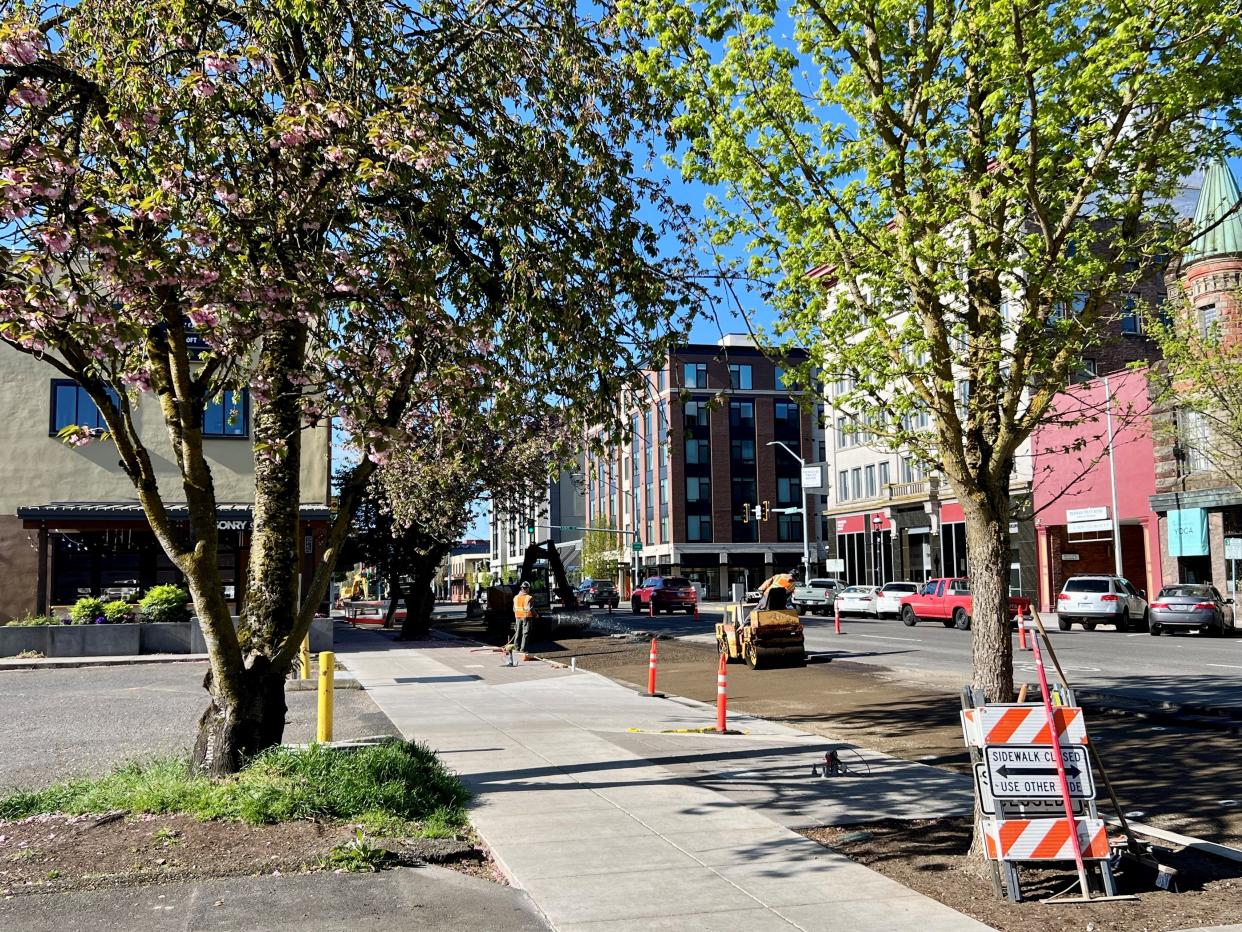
(57, 240)
(226, 194)
(204, 317)
(221, 64)
(202, 88)
(140, 380)
(19, 50)
(32, 96)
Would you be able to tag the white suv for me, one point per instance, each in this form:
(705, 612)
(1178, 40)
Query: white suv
(1093, 600)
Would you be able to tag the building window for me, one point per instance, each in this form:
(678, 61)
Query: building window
(883, 475)
(1131, 320)
(742, 452)
(843, 486)
(698, 527)
(789, 528)
(695, 374)
(1209, 316)
(649, 500)
(660, 380)
(823, 450)
(228, 415)
(783, 382)
(856, 483)
(697, 452)
(869, 477)
(648, 441)
(742, 414)
(694, 414)
(841, 433)
(788, 490)
(739, 377)
(911, 471)
(71, 405)
(1086, 371)
(786, 415)
(698, 489)
(1194, 437)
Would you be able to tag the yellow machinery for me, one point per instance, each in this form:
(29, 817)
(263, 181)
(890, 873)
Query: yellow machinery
(763, 638)
(355, 586)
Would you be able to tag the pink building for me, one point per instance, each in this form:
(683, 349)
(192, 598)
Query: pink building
(1073, 495)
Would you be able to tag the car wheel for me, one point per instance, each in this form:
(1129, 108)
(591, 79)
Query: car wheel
(1123, 623)
(1154, 629)
(1088, 625)
(691, 611)
(1142, 625)
(1064, 624)
(801, 611)
(752, 656)
(961, 620)
(635, 606)
(908, 618)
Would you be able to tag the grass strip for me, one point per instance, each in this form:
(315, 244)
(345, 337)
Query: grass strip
(391, 788)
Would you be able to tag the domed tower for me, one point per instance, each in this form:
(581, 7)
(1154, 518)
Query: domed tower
(1210, 273)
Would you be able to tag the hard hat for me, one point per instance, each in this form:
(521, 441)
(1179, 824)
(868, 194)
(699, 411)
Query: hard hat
(525, 586)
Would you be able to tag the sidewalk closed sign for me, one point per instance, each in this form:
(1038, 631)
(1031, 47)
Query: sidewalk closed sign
(1188, 532)
(1029, 771)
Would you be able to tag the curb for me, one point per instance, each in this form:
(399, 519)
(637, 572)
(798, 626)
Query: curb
(62, 663)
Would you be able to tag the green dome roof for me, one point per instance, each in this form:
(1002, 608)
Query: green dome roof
(1217, 199)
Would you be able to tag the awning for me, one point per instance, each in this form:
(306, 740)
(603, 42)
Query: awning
(234, 515)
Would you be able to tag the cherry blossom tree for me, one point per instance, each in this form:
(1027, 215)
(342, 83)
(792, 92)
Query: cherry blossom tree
(381, 214)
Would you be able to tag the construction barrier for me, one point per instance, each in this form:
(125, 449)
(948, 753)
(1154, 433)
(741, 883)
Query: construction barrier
(651, 669)
(836, 616)
(1021, 724)
(1022, 633)
(721, 696)
(1043, 839)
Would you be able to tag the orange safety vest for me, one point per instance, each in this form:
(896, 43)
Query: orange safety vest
(522, 606)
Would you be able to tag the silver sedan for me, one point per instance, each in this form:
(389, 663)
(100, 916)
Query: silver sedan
(1189, 606)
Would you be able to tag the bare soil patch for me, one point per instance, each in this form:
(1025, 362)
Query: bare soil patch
(927, 856)
(54, 853)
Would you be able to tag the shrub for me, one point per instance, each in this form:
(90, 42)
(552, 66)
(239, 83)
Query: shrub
(118, 612)
(86, 610)
(33, 621)
(165, 604)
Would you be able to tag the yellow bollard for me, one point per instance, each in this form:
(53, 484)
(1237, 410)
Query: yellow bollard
(306, 657)
(327, 664)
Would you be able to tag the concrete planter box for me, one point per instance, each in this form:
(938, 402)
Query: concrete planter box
(165, 638)
(93, 640)
(320, 635)
(15, 640)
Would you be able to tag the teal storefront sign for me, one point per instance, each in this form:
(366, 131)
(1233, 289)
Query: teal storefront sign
(1188, 532)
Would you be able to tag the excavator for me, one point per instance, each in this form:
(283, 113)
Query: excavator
(542, 568)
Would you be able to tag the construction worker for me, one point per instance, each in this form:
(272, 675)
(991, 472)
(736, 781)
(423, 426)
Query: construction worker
(775, 592)
(523, 612)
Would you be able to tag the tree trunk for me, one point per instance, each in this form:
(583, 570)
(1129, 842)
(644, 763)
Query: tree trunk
(394, 596)
(239, 723)
(987, 553)
(419, 599)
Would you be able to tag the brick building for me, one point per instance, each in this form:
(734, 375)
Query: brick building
(700, 449)
(1200, 507)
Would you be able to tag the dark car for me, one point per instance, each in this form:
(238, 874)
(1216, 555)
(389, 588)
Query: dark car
(665, 594)
(598, 592)
(1189, 606)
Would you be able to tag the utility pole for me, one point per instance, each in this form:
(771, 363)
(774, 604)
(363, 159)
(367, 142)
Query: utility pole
(806, 540)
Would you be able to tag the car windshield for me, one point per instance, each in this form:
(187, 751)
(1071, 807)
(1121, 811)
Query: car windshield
(1087, 585)
(1191, 592)
(677, 582)
(901, 587)
(822, 584)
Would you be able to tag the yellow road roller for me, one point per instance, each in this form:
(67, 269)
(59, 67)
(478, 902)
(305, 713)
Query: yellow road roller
(762, 640)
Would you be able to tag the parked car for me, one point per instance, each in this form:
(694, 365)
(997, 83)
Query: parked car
(665, 594)
(888, 600)
(598, 592)
(856, 600)
(1095, 600)
(949, 602)
(816, 596)
(1185, 606)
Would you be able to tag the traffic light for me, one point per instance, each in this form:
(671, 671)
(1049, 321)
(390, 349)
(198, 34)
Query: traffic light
(530, 527)
(746, 513)
(767, 510)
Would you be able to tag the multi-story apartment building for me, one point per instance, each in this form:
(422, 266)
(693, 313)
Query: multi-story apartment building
(702, 447)
(70, 522)
(1197, 494)
(557, 515)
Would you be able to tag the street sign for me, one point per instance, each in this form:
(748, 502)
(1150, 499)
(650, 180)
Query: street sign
(834, 566)
(1233, 548)
(637, 545)
(812, 478)
(1029, 771)
(1021, 808)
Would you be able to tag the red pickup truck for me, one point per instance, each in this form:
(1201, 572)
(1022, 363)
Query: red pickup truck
(948, 601)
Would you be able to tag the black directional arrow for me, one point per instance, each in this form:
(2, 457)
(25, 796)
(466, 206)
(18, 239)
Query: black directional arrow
(1006, 771)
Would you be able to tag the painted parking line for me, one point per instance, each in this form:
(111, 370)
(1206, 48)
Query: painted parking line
(885, 637)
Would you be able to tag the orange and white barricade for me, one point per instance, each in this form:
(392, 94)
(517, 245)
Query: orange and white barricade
(1043, 839)
(1022, 724)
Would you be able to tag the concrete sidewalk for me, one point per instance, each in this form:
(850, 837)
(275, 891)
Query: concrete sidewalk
(611, 824)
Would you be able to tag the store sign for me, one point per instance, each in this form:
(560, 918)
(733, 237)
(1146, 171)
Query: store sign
(1233, 548)
(1188, 532)
(812, 478)
(1089, 527)
(1099, 513)
(243, 525)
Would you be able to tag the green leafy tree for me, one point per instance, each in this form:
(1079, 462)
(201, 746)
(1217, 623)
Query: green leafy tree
(941, 199)
(350, 208)
(599, 549)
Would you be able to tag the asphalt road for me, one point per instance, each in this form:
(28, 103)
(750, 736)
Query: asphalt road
(1183, 668)
(82, 721)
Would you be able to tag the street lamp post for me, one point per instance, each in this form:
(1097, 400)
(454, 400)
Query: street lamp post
(806, 537)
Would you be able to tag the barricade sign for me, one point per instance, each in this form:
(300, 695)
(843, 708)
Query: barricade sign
(1029, 771)
(1021, 724)
(1020, 808)
(1043, 839)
